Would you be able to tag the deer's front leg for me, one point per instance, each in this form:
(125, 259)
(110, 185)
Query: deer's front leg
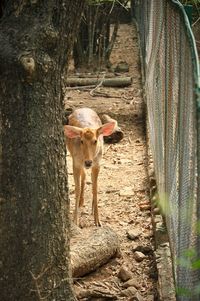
(77, 174)
(81, 201)
(95, 173)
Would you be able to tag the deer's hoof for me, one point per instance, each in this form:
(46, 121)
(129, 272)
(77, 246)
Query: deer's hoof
(97, 224)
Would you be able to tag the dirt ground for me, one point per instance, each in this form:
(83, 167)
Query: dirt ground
(123, 182)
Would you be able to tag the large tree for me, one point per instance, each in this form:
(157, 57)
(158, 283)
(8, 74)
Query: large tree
(35, 42)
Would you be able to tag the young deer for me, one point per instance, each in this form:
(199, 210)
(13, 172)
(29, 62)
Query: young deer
(85, 143)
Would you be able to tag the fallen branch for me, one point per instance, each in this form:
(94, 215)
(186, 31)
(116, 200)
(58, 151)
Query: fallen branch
(103, 94)
(86, 88)
(89, 254)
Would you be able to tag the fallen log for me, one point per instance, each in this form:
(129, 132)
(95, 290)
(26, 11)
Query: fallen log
(106, 82)
(89, 254)
(117, 134)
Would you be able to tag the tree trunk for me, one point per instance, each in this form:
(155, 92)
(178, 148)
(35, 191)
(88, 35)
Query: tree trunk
(36, 39)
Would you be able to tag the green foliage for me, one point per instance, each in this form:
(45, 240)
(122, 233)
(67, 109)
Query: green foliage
(196, 264)
(190, 261)
(198, 227)
(181, 291)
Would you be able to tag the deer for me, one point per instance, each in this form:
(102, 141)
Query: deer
(84, 139)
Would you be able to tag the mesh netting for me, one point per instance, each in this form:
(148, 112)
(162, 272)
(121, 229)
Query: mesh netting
(172, 87)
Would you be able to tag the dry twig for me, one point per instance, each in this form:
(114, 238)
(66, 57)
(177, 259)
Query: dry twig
(99, 85)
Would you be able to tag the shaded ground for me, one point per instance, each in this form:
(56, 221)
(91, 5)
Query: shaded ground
(123, 181)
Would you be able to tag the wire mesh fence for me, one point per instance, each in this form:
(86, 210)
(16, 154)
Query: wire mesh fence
(172, 88)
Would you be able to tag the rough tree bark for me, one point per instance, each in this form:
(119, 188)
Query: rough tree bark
(36, 39)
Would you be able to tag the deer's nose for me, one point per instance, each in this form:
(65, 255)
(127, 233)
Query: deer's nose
(88, 163)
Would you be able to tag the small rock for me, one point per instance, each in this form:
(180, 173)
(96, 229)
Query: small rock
(131, 282)
(139, 256)
(124, 274)
(150, 298)
(129, 292)
(121, 67)
(125, 161)
(148, 234)
(143, 249)
(127, 191)
(122, 224)
(145, 206)
(138, 297)
(133, 234)
(156, 210)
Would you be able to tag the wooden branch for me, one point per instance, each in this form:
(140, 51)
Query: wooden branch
(103, 94)
(107, 82)
(89, 254)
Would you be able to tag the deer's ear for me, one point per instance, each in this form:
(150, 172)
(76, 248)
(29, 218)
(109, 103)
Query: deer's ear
(106, 129)
(72, 131)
